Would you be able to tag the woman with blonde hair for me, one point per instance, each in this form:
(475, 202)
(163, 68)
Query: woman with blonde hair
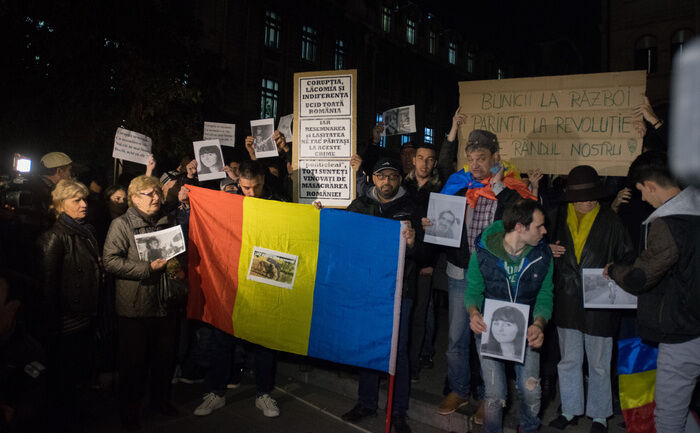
(70, 277)
(147, 326)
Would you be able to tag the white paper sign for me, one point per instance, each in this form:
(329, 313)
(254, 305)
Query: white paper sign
(224, 132)
(325, 96)
(506, 330)
(599, 292)
(210, 160)
(132, 146)
(285, 127)
(262, 131)
(325, 138)
(163, 244)
(324, 180)
(400, 120)
(446, 212)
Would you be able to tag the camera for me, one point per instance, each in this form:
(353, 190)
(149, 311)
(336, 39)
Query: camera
(14, 192)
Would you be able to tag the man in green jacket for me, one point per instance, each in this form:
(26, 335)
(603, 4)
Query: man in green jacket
(511, 263)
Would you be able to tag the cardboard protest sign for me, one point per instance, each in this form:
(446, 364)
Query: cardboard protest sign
(556, 123)
(224, 132)
(132, 146)
(325, 117)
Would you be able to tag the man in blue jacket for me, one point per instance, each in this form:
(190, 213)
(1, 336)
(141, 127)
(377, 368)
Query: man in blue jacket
(512, 263)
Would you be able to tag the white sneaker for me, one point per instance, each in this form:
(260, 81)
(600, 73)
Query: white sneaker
(267, 405)
(211, 403)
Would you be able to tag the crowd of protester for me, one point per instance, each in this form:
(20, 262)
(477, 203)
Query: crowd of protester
(80, 307)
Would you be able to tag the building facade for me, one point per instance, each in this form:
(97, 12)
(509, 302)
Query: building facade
(646, 34)
(403, 54)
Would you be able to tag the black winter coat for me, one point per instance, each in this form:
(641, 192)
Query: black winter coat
(69, 273)
(608, 241)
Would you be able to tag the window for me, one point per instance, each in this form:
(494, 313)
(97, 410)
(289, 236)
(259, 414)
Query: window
(428, 135)
(499, 73)
(269, 96)
(309, 43)
(452, 53)
(470, 61)
(382, 141)
(645, 54)
(339, 54)
(405, 139)
(272, 29)
(679, 39)
(386, 19)
(411, 32)
(432, 42)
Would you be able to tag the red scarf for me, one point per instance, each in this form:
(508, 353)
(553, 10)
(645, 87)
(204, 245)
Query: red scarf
(485, 191)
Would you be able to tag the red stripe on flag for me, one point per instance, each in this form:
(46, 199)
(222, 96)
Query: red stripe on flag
(640, 419)
(213, 270)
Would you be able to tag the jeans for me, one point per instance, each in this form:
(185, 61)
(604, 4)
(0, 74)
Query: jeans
(368, 383)
(678, 368)
(598, 350)
(459, 334)
(528, 380)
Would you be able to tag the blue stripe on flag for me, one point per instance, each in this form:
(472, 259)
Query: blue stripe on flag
(353, 311)
(633, 356)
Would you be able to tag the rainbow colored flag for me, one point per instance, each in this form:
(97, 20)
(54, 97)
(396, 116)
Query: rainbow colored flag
(636, 368)
(325, 284)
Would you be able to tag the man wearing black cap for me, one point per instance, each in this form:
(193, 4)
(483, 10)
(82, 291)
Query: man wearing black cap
(592, 236)
(388, 199)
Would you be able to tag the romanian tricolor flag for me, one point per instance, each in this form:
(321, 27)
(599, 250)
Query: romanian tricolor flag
(636, 368)
(287, 276)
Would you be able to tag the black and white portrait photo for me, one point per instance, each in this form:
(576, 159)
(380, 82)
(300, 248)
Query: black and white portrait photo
(446, 214)
(262, 131)
(163, 244)
(506, 330)
(600, 292)
(210, 160)
(400, 120)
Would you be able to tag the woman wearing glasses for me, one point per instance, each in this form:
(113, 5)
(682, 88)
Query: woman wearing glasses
(146, 328)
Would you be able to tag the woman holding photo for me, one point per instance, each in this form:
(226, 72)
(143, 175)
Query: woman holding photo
(146, 327)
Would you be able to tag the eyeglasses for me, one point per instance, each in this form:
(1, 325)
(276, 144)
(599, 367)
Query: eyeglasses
(151, 194)
(391, 177)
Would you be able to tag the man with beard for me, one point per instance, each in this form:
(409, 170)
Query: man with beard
(388, 199)
(419, 183)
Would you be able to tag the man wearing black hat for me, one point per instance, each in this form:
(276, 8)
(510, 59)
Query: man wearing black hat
(592, 236)
(388, 199)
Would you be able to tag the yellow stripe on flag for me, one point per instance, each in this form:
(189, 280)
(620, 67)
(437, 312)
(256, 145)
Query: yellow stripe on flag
(637, 389)
(277, 317)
